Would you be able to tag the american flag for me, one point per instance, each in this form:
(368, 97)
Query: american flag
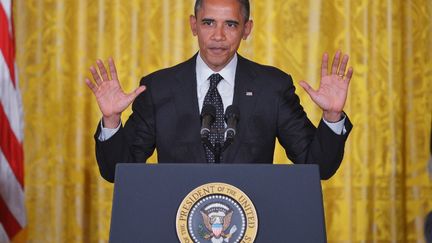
(12, 211)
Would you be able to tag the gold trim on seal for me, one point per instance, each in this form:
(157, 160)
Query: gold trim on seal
(216, 188)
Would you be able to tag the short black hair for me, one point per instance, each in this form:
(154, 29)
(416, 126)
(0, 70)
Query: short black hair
(244, 5)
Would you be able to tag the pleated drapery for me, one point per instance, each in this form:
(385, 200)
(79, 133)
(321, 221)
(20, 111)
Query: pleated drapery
(381, 193)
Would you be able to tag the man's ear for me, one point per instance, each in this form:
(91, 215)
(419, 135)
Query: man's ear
(193, 24)
(247, 29)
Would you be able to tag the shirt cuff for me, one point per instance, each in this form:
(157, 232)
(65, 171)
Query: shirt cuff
(107, 133)
(337, 127)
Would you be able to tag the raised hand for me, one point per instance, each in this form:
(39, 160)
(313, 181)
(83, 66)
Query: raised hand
(111, 98)
(332, 92)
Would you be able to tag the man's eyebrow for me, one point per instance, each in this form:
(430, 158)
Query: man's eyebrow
(226, 21)
(207, 20)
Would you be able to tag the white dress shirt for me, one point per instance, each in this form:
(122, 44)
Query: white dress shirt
(225, 86)
(226, 91)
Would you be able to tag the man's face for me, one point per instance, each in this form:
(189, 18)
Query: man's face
(220, 27)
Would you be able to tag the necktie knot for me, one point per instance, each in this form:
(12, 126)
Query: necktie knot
(214, 80)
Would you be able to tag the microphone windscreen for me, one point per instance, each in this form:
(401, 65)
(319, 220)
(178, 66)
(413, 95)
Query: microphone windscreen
(208, 110)
(232, 111)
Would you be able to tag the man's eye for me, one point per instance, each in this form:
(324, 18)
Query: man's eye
(232, 25)
(209, 23)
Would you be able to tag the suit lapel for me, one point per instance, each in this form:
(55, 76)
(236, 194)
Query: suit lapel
(186, 103)
(245, 96)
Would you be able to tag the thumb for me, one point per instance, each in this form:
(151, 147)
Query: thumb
(308, 89)
(140, 89)
(136, 92)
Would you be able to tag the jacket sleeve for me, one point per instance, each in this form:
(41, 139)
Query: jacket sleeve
(133, 143)
(303, 143)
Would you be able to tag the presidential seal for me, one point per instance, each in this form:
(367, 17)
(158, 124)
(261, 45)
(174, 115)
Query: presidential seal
(216, 213)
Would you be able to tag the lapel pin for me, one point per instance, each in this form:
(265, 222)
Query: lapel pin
(249, 93)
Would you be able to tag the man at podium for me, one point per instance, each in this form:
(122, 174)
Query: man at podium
(186, 111)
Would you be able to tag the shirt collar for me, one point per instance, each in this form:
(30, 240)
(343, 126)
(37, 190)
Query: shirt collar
(228, 72)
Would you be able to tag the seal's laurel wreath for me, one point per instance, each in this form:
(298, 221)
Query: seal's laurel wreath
(216, 212)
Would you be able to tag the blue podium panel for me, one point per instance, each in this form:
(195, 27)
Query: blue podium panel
(287, 199)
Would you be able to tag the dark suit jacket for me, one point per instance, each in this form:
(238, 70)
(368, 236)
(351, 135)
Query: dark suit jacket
(167, 117)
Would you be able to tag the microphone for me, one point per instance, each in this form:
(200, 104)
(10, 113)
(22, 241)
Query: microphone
(232, 115)
(208, 116)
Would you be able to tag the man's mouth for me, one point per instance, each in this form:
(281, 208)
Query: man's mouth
(217, 50)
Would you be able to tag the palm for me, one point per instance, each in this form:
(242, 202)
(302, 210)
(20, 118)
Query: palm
(332, 92)
(111, 98)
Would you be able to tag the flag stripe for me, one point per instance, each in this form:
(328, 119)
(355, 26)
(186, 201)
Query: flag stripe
(11, 192)
(10, 99)
(11, 148)
(10, 224)
(3, 236)
(7, 6)
(7, 43)
(12, 207)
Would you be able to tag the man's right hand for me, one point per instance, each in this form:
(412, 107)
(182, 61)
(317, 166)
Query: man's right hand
(112, 100)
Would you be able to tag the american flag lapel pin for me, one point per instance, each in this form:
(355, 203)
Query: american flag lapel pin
(249, 93)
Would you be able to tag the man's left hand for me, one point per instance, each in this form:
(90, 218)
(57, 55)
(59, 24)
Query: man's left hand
(332, 92)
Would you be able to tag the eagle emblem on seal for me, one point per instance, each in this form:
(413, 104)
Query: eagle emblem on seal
(217, 222)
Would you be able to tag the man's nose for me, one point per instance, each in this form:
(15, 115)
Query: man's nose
(219, 33)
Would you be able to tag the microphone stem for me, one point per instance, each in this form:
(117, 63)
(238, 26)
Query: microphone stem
(217, 152)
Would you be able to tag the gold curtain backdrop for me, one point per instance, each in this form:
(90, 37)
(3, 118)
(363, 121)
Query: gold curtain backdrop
(381, 193)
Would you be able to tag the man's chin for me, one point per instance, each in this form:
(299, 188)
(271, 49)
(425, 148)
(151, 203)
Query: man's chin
(217, 65)
(216, 62)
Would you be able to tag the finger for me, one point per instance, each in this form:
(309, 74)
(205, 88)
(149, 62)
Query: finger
(335, 63)
(91, 85)
(324, 65)
(95, 75)
(112, 68)
(135, 93)
(308, 89)
(102, 70)
(349, 74)
(343, 66)
(140, 89)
